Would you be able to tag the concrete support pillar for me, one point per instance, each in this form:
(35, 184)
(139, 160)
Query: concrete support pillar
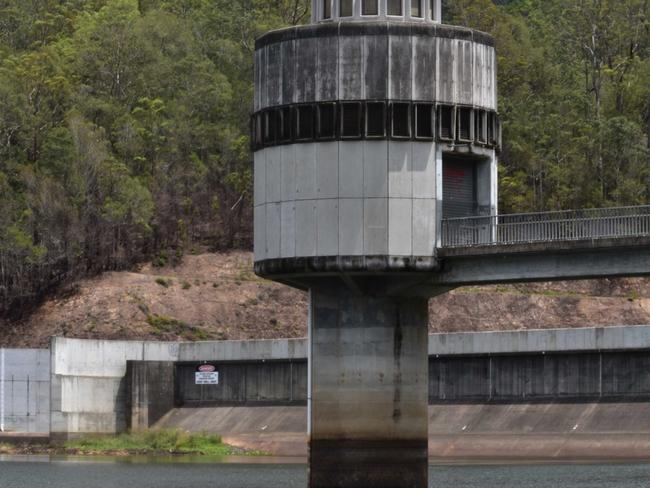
(369, 391)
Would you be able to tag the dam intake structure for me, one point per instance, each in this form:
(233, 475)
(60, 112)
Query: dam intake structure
(375, 134)
(360, 118)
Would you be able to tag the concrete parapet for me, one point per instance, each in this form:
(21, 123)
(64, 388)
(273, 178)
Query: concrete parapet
(260, 350)
(541, 341)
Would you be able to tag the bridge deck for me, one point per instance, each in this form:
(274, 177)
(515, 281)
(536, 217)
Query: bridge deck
(546, 227)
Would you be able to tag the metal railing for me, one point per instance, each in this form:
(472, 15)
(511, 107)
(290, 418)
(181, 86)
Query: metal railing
(566, 225)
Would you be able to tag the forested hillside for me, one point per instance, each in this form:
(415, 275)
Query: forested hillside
(123, 133)
(124, 123)
(574, 95)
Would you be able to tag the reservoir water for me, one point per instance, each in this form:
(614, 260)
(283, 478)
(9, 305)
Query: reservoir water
(43, 473)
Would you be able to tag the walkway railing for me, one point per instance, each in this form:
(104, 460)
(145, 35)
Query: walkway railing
(567, 225)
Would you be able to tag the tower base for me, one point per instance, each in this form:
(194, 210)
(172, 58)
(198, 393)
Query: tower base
(369, 395)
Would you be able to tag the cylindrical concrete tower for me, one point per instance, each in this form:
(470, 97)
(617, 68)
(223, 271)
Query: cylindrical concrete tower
(370, 125)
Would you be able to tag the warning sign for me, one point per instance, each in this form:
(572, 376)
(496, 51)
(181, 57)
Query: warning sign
(206, 374)
(206, 378)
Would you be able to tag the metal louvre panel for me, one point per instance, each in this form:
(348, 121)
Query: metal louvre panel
(458, 188)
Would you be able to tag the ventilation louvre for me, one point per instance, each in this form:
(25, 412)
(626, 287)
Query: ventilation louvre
(465, 124)
(400, 120)
(446, 116)
(304, 122)
(351, 120)
(375, 120)
(326, 125)
(424, 124)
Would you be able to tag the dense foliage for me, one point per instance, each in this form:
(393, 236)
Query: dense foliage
(574, 94)
(124, 123)
(123, 132)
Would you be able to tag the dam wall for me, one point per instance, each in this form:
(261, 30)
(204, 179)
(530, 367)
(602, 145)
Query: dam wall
(89, 382)
(479, 383)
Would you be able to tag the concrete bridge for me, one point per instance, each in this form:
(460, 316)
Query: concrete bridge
(576, 244)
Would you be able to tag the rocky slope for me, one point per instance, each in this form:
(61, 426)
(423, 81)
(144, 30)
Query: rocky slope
(217, 296)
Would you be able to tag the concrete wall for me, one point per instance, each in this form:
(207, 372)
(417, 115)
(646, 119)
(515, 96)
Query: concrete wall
(548, 340)
(88, 382)
(25, 390)
(353, 198)
(375, 61)
(88, 377)
(88, 388)
(150, 392)
(550, 431)
(246, 383)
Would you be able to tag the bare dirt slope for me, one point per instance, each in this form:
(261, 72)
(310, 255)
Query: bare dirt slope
(217, 296)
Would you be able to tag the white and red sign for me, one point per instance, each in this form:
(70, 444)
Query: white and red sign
(206, 374)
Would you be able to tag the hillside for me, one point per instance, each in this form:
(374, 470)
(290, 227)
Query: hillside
(216, 296)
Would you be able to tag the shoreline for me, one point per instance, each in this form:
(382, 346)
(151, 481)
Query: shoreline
(66, 456)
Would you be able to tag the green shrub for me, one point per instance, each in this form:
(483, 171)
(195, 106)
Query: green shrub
(164, 282)
(157, 441)
(163, 325)
(161, 259)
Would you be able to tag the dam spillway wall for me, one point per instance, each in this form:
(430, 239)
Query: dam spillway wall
(549, 377)
(83, 386)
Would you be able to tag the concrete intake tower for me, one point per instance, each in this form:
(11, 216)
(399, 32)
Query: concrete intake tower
(371, 125)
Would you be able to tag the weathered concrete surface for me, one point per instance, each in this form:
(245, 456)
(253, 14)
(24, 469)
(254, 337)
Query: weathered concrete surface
(278, 430)
(256, 350)
(249, 383)
(88, 384)
(150, 392)
(548, 340)
(499, 432)
(25, 391)
(582, 431)
(357, 201)
(87, 377)
(368, 395)
(564, 260)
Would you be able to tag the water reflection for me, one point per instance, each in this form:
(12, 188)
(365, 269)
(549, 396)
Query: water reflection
(248, 472)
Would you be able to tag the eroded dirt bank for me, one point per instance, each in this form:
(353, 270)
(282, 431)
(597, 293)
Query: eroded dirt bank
(217, 296)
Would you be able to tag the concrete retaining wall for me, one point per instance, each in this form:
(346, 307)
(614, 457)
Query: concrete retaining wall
(87, 388)
(88, 382)
(548, 431)
(246, 383)
(88, 377)
(150, 392)
(607, 376)
(25, 390)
